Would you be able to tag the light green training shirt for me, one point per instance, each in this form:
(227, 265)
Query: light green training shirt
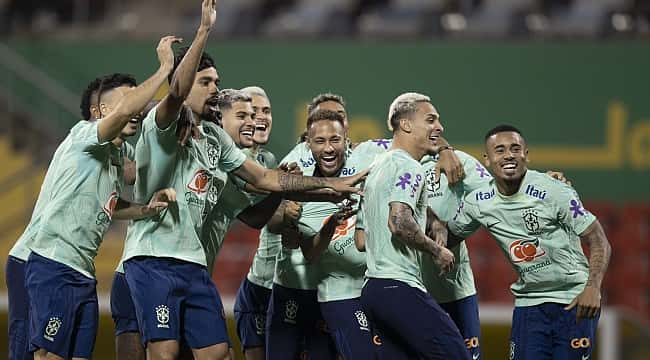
(444, 200)
(394, 177)
(198, 172)
(538, 230)
(77, 199)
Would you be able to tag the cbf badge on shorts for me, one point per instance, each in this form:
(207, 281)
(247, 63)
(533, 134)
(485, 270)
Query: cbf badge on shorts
(290, 311)
(162, 315)
(52, 328)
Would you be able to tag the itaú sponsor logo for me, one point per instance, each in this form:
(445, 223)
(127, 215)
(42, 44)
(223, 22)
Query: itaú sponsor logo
(526, 250)
(199, 182)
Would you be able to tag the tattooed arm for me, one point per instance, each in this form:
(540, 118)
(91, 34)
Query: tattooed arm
(402, 225)
(275, 180)
(588, 301)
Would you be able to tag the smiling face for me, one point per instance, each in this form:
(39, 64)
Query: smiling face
(506, 156)
(426, 127)
(263, 119)
(239, 122)
(327, 144)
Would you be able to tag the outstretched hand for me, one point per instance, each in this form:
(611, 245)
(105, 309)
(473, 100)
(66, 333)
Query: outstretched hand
(165, 51)
(347, 185)
(208, 13)
(161, 199)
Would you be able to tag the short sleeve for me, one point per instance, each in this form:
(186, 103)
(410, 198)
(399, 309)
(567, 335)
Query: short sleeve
(406, 183)
(306, 231)
(464, 222)
(231, 156)
(570, 210)
(476, 175)
(129, 151)
(85, 133)
(165, 137)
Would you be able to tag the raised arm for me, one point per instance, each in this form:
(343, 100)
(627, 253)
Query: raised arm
(403, 226)
(136, 99)
(185, 73)
(588, 301)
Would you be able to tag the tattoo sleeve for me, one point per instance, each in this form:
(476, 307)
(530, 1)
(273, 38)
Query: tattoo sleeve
(402, 224)
(599, 253)
(290, 182)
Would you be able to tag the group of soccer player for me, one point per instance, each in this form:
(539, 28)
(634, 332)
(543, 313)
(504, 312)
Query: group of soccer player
(361, 252)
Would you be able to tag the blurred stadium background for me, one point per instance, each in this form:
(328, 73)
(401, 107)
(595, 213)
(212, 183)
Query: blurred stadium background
(572, 74)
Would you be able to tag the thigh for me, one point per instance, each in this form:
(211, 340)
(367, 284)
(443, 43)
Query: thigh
(53, 318)
(85, 332)
(204, 319)
(531, 334)
(417, 320)
(251, 306)
(284, 336)
(574, 340)
(349, 327)
(464, 313)
(122, 308)
(156, 291)
(18, 315)
(318, 342)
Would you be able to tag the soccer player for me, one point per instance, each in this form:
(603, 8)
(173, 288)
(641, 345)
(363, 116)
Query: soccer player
(165, 257)
(327, 239)
(78, 200)
(255, 290)
(394, 295)
(539, 223)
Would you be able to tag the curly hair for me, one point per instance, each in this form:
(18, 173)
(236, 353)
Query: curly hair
(205, 62)
(321, 98)
(100, 85)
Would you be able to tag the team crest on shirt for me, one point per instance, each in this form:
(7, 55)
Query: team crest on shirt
(260, 323)
(162, 315)
(531, 221)
(52, 328)
(213, 154)
(362, 320)
(104, 217)
(433, 184)
(290, 311)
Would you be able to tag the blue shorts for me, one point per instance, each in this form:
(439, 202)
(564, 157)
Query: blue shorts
(349, 328)
(409, 318)
(464, 313)
(295, 327)
(122, 308)
(176, 300)
(251, 306)
(547, 331)
(63, 308)
(18, 310)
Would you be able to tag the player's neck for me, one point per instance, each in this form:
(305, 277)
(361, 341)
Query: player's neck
(509, 187)
(118, 141)
(399, 142)
(197, 118)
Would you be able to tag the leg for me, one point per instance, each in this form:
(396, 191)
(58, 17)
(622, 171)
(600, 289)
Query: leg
(128, 344)
(18, 310)
(416, 319)
(162, 350)
(319, 345)
(250, 314)
(284, 336)
(53, 319)
(204, 318)
(531, 333)
(42, 354)
(349, 328)
(85, 332)
(573, 341)
(156, 287)
(464, 313)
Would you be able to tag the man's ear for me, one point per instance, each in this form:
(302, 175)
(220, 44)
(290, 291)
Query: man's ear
(405, 125)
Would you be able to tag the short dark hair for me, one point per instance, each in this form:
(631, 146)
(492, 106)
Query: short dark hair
(321, 98)
(502, 128)
(100, 85)
(319, 115)
(205, 62)
(226, 97)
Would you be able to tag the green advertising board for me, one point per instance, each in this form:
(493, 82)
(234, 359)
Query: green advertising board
(582, 106)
